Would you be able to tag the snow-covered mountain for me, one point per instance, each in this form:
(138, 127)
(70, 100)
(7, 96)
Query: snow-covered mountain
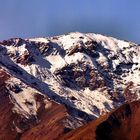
(90, 74)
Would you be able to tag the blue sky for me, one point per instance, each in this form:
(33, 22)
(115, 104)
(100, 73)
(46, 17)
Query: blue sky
(37, 18)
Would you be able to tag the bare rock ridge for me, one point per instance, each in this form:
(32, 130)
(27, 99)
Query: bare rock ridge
(53, 85)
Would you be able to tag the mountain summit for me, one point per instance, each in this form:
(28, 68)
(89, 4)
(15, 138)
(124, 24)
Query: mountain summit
(50, 86)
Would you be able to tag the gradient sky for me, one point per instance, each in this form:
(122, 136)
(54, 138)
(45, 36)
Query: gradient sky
(37, 18)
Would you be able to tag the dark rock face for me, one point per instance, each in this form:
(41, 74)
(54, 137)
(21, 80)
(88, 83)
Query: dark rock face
(89, 48)
(82, 75)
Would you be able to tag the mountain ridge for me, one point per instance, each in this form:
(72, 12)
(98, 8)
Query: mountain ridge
(121, 123)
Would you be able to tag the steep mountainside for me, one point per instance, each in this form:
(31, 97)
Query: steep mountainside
(59, 83)
(121, 124)
(24, 109)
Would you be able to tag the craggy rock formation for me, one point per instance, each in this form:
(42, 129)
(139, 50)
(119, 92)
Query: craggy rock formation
(53, 85)
(121, 124)
(80, 75)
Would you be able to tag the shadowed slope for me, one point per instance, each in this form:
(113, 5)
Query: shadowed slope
(121, 124)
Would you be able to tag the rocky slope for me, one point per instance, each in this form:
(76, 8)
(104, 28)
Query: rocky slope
(121, 124)
(86, 74)
(25, 110)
